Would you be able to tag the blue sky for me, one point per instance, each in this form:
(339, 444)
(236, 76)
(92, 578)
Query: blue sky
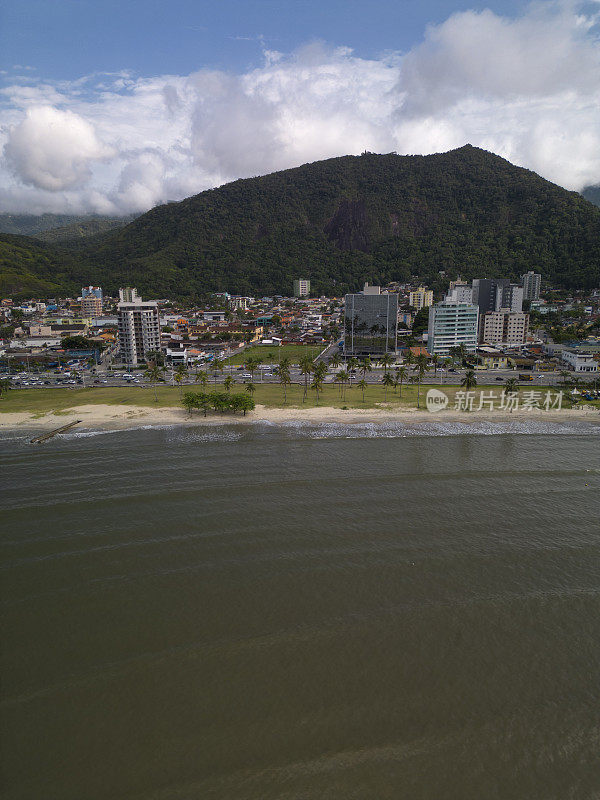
(114, 106)
(64, 39)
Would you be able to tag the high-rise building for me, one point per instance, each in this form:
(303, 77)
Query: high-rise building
(420, 298)
(301, 287)
(91, 301)
(370, 323)
(508, 328)
(139, 327)
(452, 324)
(128, 295)
(461, 293)
(532, 283)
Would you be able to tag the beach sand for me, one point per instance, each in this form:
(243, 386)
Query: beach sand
(102, 417)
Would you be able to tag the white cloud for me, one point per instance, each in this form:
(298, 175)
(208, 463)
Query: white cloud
(527, 88)
(53, 150)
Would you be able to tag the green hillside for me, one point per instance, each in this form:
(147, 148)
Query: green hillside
(29, 268)
(54, 227)
(350, 219)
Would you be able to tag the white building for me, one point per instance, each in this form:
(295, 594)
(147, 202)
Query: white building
(451, 324)
(505, 328)
(301, 287)
(139, 327)
(579, 362)
(460, 293)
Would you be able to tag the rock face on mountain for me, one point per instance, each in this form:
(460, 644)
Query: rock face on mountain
(347, 220)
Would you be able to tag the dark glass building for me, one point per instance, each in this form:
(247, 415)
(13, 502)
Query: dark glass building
(370, 323)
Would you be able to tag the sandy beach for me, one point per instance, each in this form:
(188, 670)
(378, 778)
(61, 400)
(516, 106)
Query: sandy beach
(104, 417)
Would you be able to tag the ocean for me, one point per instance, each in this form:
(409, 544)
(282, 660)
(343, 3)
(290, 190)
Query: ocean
(295, 611)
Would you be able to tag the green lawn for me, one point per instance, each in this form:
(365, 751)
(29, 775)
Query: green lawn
(272, 355)
(42, 400)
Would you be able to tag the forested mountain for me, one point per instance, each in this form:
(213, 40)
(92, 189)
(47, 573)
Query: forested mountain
(56, 227)
(592, 193)
(346, 220)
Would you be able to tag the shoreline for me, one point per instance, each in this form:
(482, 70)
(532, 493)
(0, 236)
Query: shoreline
(103, 417)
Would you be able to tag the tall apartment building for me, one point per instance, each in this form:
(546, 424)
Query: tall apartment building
(139, 327)
(421, 298)
(507, 328)
(492, 294)
(370, 323)
(461, 293)
(532, 283)
(301, 287)
(451, 324)
(91, 301)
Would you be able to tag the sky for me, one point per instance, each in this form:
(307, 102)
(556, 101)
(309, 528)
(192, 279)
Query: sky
(114, 107)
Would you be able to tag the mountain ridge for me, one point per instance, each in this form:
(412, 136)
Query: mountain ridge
(348, 219)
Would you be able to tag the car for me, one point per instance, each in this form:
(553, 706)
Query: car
(451, 369)
(46, 383)
(499, 378)
(246, 375)
(96, 381)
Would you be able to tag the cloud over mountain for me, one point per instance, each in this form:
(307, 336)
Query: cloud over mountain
(527, 88)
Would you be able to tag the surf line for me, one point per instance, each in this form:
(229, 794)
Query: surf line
(45, 436)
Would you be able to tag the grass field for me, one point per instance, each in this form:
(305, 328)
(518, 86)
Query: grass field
(272, 355)
(43, 400)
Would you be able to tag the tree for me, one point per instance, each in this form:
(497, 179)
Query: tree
(283, 373)
(401, 375)
(216, 366)
(469, 381)
(252, 364)
(228, 383)
(366, 365)
(317, 384)
(387, 360)
(342, 377)
(5, 385)
(362, 385)
(180, 373)
(306, 368)
(336, 359)
(201, 377)
(387, 381)
(250, 388)
(512, 384)
(190, 401)
(352, 365)
(154, 375)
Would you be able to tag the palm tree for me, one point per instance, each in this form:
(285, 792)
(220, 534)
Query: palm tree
(178, 376)
(351, 365)
(435, 360)
(228, 383)
(362, 385)
(317, 384)
(421, 365)
(512, 384)
(306, 367)
(401, 375)
(366, 365)
(252, 364)
(250, 388)
(153, 374)
(336, 359)
(387, 360)
(201, 377)
(342, 377)
(283, 372)
(469, 381)
(216, 366)
(387, 381)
